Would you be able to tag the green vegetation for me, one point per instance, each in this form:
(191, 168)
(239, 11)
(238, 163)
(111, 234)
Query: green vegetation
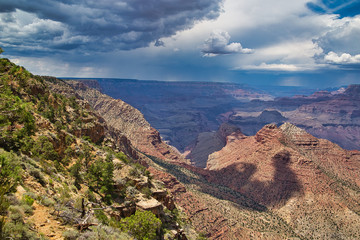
(46, 148)
(16, 120)
(100, 177)
(9, 179)
(141, 225)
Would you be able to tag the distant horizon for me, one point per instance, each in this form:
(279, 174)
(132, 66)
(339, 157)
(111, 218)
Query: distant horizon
(220, 82)
(273, 90)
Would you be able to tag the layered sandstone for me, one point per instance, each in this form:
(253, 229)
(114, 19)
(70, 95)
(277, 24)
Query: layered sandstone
(311, 183)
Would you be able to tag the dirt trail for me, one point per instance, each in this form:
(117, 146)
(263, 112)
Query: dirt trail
(45, 223)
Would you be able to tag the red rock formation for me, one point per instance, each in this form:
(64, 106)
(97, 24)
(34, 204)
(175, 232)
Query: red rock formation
(209, 142)
(203, 219)
(303, 179)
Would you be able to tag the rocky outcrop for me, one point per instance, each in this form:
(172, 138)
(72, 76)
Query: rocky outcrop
(203, 219)
(151, 205)
(305, 180)
(353, 91)
(209, 142)
(334, 118)
(250, 125)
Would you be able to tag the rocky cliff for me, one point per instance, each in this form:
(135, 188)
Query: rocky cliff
(209, 142)
(127, 120)
(311, 183)
(335, 118)
(330, 115)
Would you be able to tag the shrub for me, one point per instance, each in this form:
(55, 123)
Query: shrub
(121, 156)
(146, 191)
(87, 138)
(45, 149)
(38, 176)
(69, 140)
(70, 235)
(100, 177)
(13, 111)
(101, 216)
(16, 213)
(28, 200)
(75, 171)
(141, 225)
(9, 178)
(18, 231)
(131, 192)
(47, 201)
(28, 209)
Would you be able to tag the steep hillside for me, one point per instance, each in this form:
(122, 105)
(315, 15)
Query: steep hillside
(59, 184)
(128, 120)
(66, 174)
(281, 183)
(311, 183)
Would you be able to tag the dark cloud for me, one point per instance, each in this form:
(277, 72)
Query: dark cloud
(94, 25)
(218, 44)
(159, 43)
(344, 8)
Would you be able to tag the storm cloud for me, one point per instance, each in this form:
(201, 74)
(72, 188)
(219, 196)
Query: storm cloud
(90, 25)
(313, 40)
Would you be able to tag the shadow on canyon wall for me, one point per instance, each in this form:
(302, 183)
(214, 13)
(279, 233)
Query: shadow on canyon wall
(273, 192)
(235, 183)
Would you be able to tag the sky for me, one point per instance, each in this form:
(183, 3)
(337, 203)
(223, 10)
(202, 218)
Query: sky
(308, 43)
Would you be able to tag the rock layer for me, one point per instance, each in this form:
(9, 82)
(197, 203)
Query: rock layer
(307, 181)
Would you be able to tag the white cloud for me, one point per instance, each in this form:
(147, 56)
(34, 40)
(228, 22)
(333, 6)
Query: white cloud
(291, 56)
(273, 67)
(342, 35)
(344, 58)
(218, 44)
(58, 68)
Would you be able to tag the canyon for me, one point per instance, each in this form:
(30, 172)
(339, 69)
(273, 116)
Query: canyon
(89, 163)
(189, 115)
(307, 187)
